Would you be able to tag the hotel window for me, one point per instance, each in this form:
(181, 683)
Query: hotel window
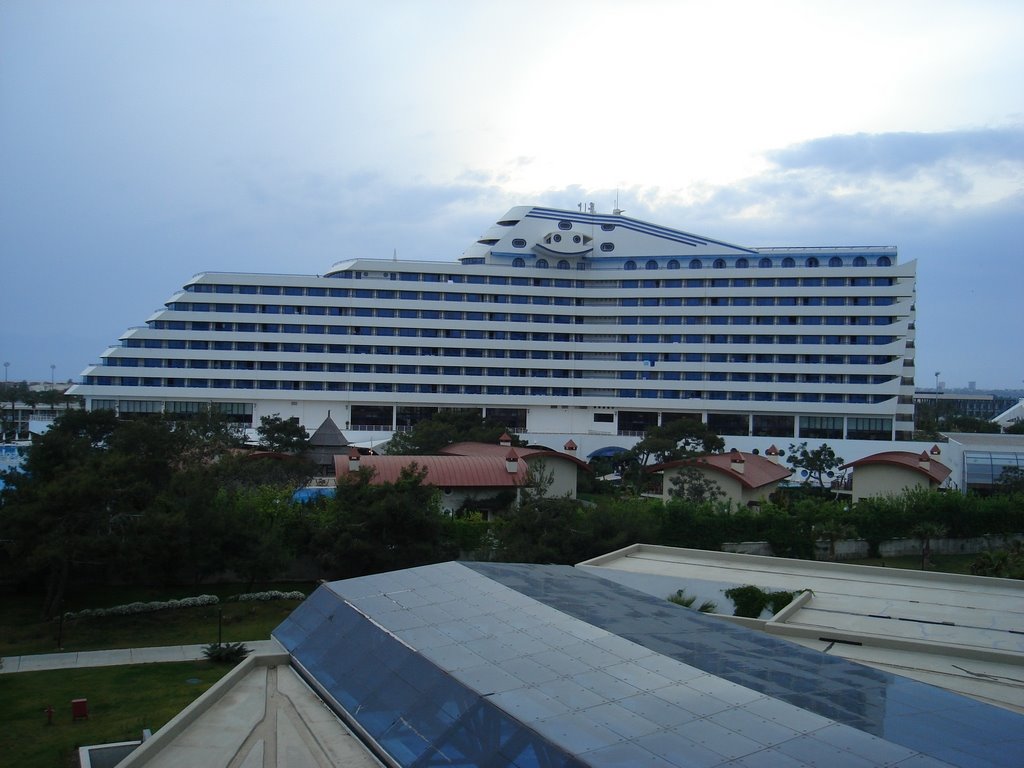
(884, 261)
(719, 264)
(673, 264)
(519, 243)
(695, 264)
(812, 262)
(541, 264)
(788, 262)
(630, 265)
(651, 264)
(742, 263)
(824, 427)
(860, 261)
(564, 224)
(563, 264)
(835, 261)
(518, 261)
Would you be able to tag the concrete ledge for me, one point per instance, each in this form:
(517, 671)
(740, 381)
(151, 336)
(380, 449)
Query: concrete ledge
(900, 644)
(200, 706)
(792, 565)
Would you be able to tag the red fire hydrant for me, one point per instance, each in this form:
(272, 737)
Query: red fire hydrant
(49, 714)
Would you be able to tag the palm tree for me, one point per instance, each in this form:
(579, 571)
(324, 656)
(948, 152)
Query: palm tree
(687, 601)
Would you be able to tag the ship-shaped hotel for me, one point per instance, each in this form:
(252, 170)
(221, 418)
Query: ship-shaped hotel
(559, 323)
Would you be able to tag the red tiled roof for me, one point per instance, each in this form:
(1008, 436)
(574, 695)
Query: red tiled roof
(493, 449)
(757, 470)
(442, 471)
(935, 470)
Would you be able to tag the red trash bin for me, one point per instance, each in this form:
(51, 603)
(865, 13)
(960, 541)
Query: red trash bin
(79, 709)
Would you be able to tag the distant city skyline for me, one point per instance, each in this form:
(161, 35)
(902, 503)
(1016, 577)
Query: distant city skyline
(144, 142)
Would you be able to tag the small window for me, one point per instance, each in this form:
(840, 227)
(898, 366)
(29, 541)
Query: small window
(604, 418)
(651, 264)
(695, 264)
(719, 264)
(765, 263)
(556, 238)
(835, 261)
(812, 262)
(563, 264)
(607, 247)
(607, 227)
(788, 263)
(519, 243)
(742, 263)
(629, 265)
(884, 261)
(577, 239)
(564, 224)
(673, 264)
(541, 264)
(518, 262)
(860, 261)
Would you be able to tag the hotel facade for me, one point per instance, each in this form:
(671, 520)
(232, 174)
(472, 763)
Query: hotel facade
(559, 323)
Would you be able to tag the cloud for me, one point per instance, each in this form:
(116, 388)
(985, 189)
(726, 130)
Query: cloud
(902, 154)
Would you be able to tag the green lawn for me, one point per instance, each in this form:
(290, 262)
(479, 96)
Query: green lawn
(23, 632)
(122, 702)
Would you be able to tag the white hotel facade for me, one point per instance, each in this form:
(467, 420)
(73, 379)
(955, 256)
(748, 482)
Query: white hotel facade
(560, 323)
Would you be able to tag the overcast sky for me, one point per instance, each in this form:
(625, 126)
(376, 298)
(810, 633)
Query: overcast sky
(144, 141)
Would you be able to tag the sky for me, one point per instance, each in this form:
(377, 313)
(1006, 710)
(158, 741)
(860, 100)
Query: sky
(143, 142)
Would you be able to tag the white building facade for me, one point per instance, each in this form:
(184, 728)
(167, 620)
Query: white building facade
(560, 323)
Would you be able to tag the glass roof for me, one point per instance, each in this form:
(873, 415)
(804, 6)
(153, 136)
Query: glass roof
(518, 665)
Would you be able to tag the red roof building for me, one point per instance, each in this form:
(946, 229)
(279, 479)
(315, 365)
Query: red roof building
(743, 478)
(893, 472)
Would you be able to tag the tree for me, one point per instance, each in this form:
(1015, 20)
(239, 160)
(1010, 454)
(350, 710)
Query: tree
(1010, 480)
(925, 532)
(1006, 564)
(282, 435)
(263, 520)
(691, 484)
(444, 428)
(541, 528)
(370, 528)
(678, 439)
(87, 499)
(820, 463)
(833, 531)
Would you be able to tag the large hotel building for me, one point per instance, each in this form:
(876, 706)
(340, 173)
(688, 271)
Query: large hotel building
(560, 323)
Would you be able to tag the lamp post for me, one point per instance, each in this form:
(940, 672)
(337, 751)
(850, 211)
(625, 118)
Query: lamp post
(6, 366)
(52, 369)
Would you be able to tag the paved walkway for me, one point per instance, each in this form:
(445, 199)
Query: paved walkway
(116, 657)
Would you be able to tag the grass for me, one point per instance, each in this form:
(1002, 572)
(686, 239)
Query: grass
(22, 631)
(122, 702)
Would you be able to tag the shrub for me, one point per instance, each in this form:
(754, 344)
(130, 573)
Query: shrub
(225, 653)
(750, 601)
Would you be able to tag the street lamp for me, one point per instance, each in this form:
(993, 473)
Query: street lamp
(6, 366)
(54, 367)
